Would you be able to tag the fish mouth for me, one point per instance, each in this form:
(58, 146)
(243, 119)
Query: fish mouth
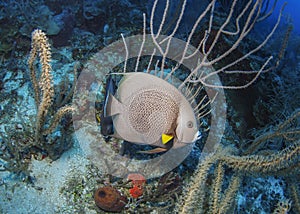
(198, 136)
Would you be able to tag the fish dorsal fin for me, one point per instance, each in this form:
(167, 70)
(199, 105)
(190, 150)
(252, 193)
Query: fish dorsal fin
(134, 82)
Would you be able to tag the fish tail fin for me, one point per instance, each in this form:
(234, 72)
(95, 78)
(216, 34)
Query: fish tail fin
(113, 106)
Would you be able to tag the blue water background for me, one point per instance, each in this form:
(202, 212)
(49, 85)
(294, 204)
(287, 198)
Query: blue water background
(292, 11)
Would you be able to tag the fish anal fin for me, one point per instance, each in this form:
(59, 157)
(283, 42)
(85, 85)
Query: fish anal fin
(153, 151)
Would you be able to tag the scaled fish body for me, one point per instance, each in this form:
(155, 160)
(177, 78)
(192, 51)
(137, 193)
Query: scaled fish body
(146, 109)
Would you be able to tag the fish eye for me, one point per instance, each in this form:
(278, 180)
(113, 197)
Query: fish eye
(190, 124)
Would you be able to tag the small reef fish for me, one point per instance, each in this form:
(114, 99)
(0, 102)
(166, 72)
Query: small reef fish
(145, 109)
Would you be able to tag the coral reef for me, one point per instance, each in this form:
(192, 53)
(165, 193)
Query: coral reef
(255, 169)
(282, 163)
(23, 141)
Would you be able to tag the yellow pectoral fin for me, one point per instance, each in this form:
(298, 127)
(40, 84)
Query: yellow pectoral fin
(165, 138)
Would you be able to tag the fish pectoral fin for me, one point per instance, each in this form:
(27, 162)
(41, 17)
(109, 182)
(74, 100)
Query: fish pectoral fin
(165, 138)
(113, 106)
(153, 151)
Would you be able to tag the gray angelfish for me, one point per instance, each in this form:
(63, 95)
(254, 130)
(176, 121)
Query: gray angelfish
(148, 110)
